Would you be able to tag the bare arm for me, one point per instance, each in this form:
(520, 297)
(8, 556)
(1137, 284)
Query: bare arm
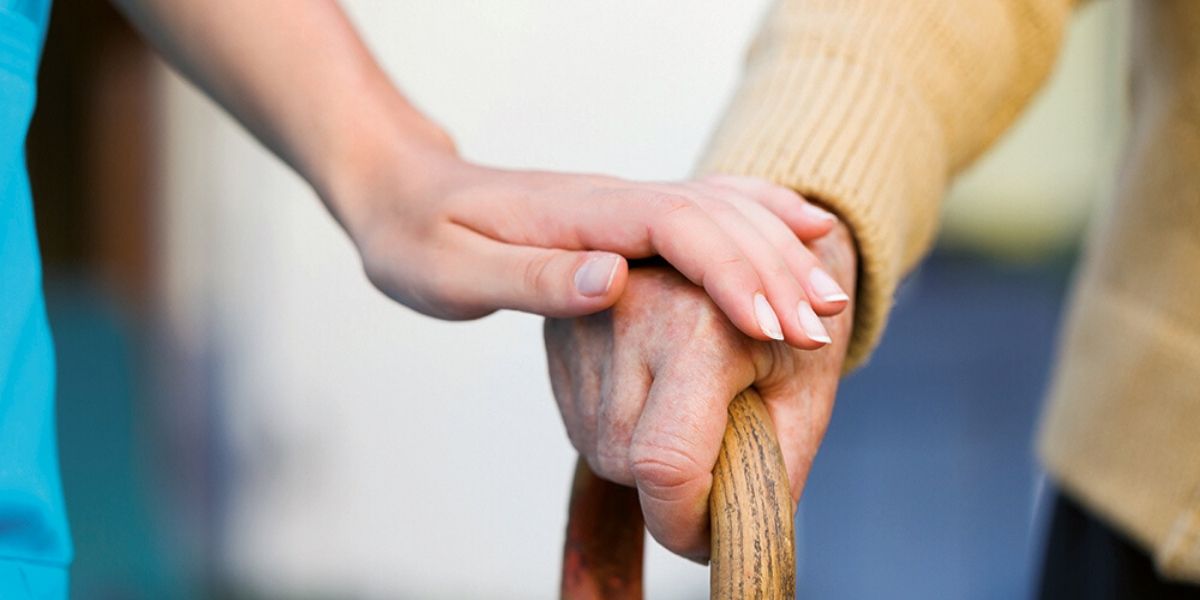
(297, 75)
(457, 240)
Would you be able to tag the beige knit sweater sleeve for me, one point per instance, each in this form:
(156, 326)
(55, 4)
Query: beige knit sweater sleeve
(870, 106)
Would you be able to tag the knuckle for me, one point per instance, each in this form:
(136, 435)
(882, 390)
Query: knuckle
(802, 252)
(578, 433)
(805, 260)
(611, 463)
(709, 323)
(724, 207)
(705, 328)
(535, 274)
(579, 443)
(732, 263)
(780, 271)
(733, 269)
(663, 470)
(770, 363)
(612, 448)
(670, 206)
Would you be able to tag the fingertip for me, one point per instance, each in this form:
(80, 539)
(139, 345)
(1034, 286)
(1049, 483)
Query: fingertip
(595, 276)
(807, 220)
(616, 287)
(766, 317)
(551, 282)
(812, 326)
(815, 214)
(752, 328)
(806, 227)
(803, 328)
(831, 309)
(738, 293)
(619, 278)
(798, 329)
(595, 282)
(827, 296)
(806, 344)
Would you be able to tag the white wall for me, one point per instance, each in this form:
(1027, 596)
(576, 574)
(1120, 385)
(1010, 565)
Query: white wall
(381, 453)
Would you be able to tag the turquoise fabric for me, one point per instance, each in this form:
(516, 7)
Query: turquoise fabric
(35, 547)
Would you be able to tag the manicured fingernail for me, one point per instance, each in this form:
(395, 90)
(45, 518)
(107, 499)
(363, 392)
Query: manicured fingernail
(816, 212)
(811, 324)
(595, 277)
(766, 318)
(825, 287)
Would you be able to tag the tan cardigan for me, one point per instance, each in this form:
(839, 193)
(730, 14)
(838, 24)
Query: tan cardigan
(873, 105)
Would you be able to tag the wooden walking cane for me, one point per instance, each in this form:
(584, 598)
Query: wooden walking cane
(751, 515)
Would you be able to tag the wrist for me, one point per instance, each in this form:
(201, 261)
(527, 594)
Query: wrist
(385, 154)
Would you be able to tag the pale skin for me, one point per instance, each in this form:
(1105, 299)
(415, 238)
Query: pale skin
(642, 387)
(457, 240)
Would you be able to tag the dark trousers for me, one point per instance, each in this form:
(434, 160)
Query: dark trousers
(1087, 559)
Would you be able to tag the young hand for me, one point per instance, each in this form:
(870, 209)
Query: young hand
(458, 241)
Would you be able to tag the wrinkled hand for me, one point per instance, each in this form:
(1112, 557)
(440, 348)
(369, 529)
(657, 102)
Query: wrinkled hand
(644, 388)
(456, 240)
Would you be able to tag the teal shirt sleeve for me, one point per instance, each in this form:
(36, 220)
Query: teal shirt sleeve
(35, 547)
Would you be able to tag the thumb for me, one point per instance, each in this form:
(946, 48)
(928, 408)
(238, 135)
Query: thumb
(545, 281)
(675, 446)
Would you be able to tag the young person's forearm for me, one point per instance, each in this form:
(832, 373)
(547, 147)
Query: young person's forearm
(297, 75)
(457, 240)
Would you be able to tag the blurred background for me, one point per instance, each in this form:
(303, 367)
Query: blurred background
(241, 415)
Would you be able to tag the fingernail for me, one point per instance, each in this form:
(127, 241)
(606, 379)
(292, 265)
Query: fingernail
(766, 318)
(811, 324)
(595, 277)
(816, 212)
(825, 286)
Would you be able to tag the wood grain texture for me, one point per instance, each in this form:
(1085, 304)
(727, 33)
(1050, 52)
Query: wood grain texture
(753, 551)
(753, 554)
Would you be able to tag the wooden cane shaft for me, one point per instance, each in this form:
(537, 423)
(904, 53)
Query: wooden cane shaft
(602, 558)
(750, 508)
(753, 550)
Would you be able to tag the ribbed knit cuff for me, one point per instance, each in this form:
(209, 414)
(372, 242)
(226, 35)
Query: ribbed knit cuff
(844, 131)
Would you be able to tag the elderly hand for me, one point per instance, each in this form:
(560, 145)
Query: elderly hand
(456, 240)
(643, 389)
